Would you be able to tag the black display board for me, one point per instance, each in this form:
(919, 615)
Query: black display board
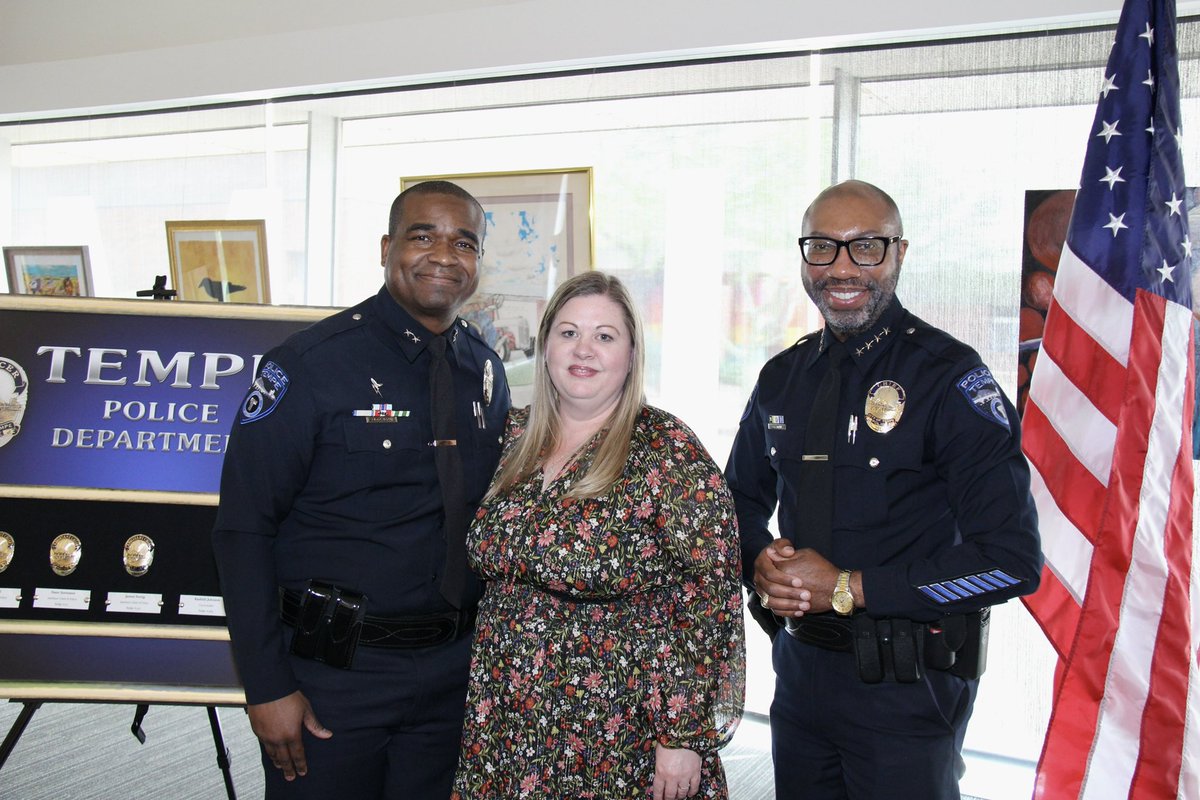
(114, 417)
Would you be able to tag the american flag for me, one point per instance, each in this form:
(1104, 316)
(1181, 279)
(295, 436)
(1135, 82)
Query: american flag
(1108, 434)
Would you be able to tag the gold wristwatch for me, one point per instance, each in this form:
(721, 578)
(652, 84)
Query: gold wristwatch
(843, 600)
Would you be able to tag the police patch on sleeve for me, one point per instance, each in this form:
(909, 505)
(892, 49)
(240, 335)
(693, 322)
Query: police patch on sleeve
(265, 393)
(979, 387)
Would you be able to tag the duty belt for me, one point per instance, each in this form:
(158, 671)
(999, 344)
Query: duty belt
(406, 632)
(899, 649)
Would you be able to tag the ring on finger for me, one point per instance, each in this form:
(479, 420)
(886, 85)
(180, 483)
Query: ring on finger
(764, 598)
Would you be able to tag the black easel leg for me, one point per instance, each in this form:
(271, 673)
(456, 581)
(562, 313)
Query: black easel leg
(18, 727)
(214, 722)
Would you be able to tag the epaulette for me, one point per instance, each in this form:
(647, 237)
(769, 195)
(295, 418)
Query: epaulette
(812, 337)
(473, 332)
(322, 330)
(936, 341)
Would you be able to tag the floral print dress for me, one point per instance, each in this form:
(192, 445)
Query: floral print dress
(607, 625)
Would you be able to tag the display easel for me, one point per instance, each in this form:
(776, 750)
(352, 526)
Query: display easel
(30, 707)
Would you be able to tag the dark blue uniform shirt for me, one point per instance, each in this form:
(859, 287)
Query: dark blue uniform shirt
(330, 475)
(936, 511)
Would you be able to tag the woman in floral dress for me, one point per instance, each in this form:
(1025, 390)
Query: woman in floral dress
(608, 659)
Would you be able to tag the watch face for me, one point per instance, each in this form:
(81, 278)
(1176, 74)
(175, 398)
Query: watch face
(843, 603)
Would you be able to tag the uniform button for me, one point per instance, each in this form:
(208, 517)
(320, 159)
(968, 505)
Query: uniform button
(356, 317)
(911, 331)
(462, 322)
(874, 462)
(772, 451)
(499, 440)
(387, 444)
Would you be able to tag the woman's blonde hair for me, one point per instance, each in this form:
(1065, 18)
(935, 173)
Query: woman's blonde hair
(543, 428)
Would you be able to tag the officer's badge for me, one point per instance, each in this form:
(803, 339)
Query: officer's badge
(7, 549)
(885, 406)
(14, 397)
(265, 393)
(138, 554)
(489, 378)
(980, 388)
(65, 552)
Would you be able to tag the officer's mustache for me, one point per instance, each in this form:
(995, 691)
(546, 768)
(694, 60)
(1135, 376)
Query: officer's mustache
(840, 283)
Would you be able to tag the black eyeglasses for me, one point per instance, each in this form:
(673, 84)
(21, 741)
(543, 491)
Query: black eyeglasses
(868, 251)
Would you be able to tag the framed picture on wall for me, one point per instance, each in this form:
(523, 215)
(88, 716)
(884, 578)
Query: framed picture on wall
(538, 234)
(219, 261)
(53, 271)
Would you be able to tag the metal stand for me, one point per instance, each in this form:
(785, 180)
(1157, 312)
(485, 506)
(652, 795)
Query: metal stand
(214, 722)
(18, 727)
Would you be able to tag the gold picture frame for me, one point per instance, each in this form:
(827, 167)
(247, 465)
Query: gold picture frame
(219, 261)
(49, 271)
(538, 233)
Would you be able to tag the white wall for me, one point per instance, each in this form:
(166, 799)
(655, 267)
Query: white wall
(67, 56)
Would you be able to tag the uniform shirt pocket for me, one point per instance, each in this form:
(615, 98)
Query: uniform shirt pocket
(869, 481)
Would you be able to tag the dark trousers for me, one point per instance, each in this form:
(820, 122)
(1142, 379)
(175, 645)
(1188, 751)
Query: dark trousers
(834, 737)
(396, 720)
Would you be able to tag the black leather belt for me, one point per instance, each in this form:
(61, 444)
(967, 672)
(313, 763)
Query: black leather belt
(827, 631)
(418, 630)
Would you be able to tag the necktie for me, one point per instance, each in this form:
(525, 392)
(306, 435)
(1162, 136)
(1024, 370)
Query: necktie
(816, 463)
(449, 471)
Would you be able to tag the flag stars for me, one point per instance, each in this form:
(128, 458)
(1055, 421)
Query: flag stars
(1150, 130)
(1167, 273)
(1186, 244)
(1149, 79)
(1108, 130)
(1173, 205)
(1112, 177)
(1147, 34)
(1110, 85)
(1116, 224)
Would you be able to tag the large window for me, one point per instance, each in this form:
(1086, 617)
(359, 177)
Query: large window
(701, 173)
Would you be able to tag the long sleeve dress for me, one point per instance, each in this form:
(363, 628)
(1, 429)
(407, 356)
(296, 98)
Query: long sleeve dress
(607, 625)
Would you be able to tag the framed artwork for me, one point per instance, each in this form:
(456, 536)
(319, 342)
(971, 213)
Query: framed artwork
(51, 271)
(538, 234)
(219, 261)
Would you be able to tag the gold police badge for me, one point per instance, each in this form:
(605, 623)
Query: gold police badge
(14, 397)
(885, 406)
(65, 552)
(489, 377)
(138, 554)
(7, 548)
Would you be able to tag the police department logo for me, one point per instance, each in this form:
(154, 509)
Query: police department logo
(14, 398)
(8, 548)
(265, 393)
(885, 406)
(980, 388)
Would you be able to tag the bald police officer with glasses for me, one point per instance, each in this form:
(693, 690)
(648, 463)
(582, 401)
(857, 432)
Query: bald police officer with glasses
(904, 511)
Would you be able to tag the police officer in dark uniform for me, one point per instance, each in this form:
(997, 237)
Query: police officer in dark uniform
(904, 510)
(349, 603)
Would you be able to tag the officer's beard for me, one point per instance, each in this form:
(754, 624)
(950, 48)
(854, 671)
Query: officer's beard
(847, 323)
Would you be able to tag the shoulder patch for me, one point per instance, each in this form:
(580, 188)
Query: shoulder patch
(265, 393)
(980, 388)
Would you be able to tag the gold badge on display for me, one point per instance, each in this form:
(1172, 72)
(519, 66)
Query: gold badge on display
(138, 554)
(489, 378)
(885, 406)
(65, 552)
(7, 548)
